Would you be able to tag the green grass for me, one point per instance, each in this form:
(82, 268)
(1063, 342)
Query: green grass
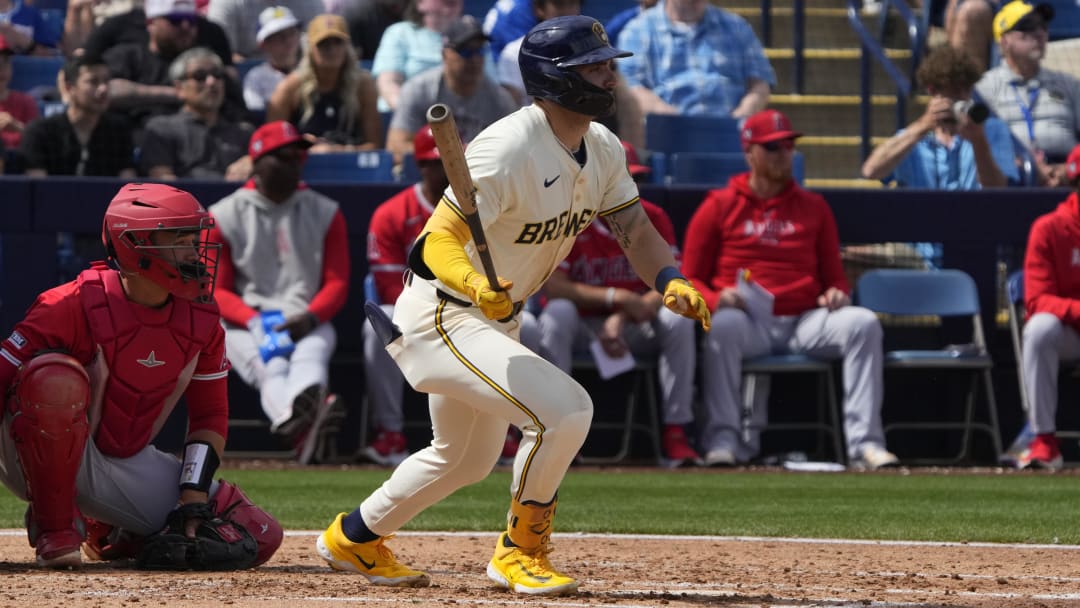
(953, 507)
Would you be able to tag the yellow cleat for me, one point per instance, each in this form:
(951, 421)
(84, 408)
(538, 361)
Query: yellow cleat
(527, 571)
(374, 560)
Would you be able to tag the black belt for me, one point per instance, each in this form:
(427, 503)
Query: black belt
(465, 304)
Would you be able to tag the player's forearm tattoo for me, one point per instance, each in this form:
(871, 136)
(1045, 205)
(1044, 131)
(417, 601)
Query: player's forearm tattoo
(619, 229)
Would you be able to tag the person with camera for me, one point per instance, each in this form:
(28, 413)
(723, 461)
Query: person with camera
(955, 144)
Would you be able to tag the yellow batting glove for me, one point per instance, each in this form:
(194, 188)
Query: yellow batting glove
(494, 304)
(681, 297)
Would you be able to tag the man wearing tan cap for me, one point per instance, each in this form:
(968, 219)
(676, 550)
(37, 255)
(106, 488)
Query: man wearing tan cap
(240, 18)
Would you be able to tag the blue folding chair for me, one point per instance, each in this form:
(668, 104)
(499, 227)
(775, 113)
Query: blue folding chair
(942, 293)
(373, 166)
(715, 168)
(827, 422)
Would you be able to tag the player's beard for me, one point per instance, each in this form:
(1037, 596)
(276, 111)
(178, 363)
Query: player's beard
(281, 183)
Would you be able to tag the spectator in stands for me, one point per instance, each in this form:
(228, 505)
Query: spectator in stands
(84, 139)
(284, 248)
(394, 227)
(767, 229)
(368, 19)
(460, 82)
(412, 46)
(279, 41)
(594, 294)
(506, 21)
(329, 95)
(968, 26)
(506, 66)
(17, 108)
(1052, 330)
(197, 141)
(117, 25)
(615, 25)
(141, 85)
(25, 30)
(240, 19)
(951, 146)
(1041, 107)
(693, 58)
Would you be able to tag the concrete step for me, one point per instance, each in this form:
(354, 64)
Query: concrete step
(833, 71)
(838, 115)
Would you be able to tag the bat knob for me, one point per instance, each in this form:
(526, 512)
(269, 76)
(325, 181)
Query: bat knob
(438, 112)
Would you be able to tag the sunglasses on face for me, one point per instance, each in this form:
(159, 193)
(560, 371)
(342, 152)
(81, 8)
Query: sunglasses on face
(202, 75)
(329, 43)
(1030, 26)
(179, 20)
(469, 53)
(776, 146)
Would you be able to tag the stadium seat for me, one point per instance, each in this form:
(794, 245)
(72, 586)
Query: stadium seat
(30, 71)
(942, 293)
(666, 134)
(827, 422)
(374, 166)
(714, 168)
(1014, 286)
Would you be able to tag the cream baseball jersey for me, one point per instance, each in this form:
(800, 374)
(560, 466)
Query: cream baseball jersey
(534, 199)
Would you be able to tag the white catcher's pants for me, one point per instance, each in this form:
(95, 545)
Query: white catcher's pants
(478, 378)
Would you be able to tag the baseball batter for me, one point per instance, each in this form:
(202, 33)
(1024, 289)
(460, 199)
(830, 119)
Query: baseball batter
(94, 370)
(542, 174)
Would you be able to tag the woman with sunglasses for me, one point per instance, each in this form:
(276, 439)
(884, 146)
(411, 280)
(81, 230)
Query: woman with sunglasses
(764, 229)
(329, 95)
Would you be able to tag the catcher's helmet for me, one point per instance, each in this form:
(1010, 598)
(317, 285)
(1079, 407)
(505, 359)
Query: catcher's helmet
(136, 213)
(549, 52)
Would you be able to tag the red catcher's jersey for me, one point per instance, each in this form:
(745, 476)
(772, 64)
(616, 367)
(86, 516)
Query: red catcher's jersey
(393, 230)
(140, 359)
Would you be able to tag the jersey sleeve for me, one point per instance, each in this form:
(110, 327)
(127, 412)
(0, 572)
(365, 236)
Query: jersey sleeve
(330, 298)
(232, 306)
(207, 393)
(54, 322)
(386, 253)
(621, 191)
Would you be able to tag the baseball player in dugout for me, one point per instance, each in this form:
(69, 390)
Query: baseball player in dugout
(766, 255)
(394, 228)
(542, 175)
(595, 294)
(283, 275)
(90, 376)
(1052, 329)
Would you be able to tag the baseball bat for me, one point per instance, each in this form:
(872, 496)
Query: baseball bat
(444, 129)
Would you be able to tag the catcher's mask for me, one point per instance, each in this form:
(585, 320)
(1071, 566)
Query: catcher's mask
(161, 233)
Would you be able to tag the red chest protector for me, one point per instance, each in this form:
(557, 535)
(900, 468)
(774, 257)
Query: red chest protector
(146, 353)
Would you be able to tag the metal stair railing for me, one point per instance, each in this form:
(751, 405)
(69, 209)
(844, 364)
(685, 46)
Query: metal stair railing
(871, 48)
(798, 37)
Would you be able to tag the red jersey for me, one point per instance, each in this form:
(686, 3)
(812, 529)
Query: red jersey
(597, 258)
(58, 320)
(22, 108)
(393, 229)
(788, 242)
(1052, 264)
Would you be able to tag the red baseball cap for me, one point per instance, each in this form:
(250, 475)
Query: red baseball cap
(766, 126)
(272, 136)
(633, 163)
(424, 147)
(1072, 165)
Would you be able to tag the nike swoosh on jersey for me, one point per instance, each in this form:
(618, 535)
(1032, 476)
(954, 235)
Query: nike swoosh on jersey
(547, 183)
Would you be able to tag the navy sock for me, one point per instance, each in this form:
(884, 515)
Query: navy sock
(355, 529)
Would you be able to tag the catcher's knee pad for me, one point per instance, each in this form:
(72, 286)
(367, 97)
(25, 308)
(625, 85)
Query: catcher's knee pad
(49, 426)
(231, 504)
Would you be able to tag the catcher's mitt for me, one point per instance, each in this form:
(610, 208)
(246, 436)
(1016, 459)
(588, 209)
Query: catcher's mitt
(218, 544)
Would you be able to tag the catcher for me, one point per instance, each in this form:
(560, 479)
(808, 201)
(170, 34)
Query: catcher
(89, 377)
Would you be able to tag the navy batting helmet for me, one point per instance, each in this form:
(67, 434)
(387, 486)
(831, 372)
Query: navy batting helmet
(553, 48)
